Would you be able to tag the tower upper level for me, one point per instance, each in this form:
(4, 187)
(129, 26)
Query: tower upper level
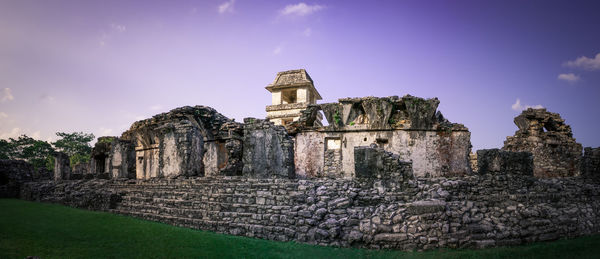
(293, 86)
(291, 92)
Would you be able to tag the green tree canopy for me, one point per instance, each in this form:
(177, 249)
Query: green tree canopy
(76, 145)
(36, 152)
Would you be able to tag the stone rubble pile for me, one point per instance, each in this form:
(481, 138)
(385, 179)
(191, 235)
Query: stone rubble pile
(550, 140)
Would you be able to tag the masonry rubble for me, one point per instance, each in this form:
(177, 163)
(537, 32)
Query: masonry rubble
(550, 140)
(387, 172)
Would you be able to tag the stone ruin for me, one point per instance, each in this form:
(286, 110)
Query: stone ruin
(550, 140)
(387, 172)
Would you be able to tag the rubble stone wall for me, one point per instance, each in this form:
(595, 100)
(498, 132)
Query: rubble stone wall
(550, 140)
(13, 173)
(590, 164)
(476, 211)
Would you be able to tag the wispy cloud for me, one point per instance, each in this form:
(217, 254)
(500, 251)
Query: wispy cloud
(277, 50)
(118, 27)
(517, 106)
(6, 95)
(114, 29)
(585, 63)
(301, 9)
(47, 98)
(570, 77)
(105, 131)
(307, 32)
(226, 7)
(156, 107)
(3, 115)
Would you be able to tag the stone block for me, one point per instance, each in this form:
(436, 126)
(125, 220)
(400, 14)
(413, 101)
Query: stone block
(500, 161)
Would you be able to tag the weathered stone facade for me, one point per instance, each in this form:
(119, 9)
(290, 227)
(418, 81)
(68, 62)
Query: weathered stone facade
(175, 144)
(112, 158)
(550, 140)
(407, 126)
(268, 150)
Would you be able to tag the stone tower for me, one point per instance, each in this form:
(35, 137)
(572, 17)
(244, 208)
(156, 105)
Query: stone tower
(291, 92)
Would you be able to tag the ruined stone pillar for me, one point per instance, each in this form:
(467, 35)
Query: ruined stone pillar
(62, 166)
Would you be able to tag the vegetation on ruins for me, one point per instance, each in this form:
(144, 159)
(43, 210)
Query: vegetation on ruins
(76, 145)
(55, 231)
(337, 118)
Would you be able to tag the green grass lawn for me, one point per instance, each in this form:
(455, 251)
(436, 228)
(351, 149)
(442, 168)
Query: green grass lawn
(55, 231)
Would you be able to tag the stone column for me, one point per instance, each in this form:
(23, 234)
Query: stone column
(62, 166)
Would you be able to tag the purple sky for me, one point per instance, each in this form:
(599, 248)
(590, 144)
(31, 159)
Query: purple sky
(99, 66)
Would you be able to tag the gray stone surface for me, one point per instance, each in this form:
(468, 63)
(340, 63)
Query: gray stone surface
(475, 211)
(501, 161)
(375, 163)
(174, 144)
(550, 140)
(268, 151)
(13, 173)
(590, 164)
(62, 166)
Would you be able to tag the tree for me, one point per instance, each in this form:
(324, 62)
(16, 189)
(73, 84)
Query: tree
(76, 145)
(5, 149)
(36, 152)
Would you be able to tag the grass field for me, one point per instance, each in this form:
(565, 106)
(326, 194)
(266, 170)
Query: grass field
(54, 231)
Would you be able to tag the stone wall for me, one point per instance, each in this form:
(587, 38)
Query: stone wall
(475, 211)
(62, 166)
(175, 144)
(590, 164)
(268, 151)
(373, 162)
(433, 153)
(13, 173)
(550, 140)
(499, 161)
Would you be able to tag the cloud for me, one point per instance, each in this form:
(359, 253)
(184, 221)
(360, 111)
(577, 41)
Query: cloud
(105, 131)
(277, 50)
(118, 27)
(301, 9)
(47, 98)
(3, 115)
(585, 63)
(6, 95)
(36, 135)
(226, 7)
(106, 36)
(570, 77)
(156, 107)
(517, 106)
(307, 32)
(15, 132)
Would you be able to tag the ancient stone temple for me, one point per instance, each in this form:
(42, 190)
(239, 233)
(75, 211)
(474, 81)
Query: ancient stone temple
(550, 140)
(291, 92)
(187, 141)
(387, 172)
